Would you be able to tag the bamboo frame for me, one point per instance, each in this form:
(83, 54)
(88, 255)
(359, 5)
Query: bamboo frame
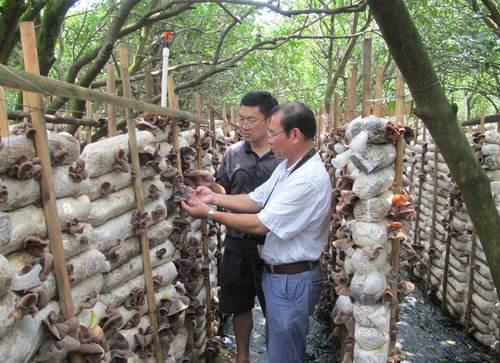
(447, 255)
(111, 89)
(16, 79)
(378, 109)
(398, 189)
(173, 103)
(4, 121)
(134, 155)
(204, 229)
(367, 80)
(433, 220)
(470, 281)
(148, 84)
(34, 101)
(350, 107)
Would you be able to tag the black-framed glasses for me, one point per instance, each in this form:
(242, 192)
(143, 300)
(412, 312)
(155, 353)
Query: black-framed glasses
(273, 134)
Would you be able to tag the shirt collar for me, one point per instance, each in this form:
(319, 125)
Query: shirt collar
(248, 149)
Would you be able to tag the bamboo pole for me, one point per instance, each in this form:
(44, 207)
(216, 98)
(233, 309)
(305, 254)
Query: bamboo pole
(34, 102)
(134, 155)
(204, 231)
(398, 189)
(470, 281)
(350, 107)
(173, 103)
(199, 150)
(367, 76)
(224, 118)
(148, 80)
(111, 89)
(421, 178)
(400, 145)
(447, 253)
(55, 119)
(414, 161)
(4, 121)
(336, 111)
(379, 92)
(211, 122)
(88, 114)
(433, 221)
(16, 79)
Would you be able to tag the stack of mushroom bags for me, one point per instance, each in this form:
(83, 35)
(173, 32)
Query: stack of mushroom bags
(100, 226)
(477, 308)
(365, 174)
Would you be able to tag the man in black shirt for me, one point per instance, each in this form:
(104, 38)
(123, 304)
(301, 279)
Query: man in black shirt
(245, 166)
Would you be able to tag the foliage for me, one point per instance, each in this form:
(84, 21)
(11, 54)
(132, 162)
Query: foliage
(222, 50)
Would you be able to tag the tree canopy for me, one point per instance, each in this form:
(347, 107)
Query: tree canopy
(296, 49)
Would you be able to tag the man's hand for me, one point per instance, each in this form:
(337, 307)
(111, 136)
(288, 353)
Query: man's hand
(204, 194)
(195, 208)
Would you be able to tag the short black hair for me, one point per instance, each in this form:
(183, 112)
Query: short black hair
(263, 99)
(297, 115)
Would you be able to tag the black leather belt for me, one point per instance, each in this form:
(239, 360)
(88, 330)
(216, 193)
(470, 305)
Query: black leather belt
(291, 268)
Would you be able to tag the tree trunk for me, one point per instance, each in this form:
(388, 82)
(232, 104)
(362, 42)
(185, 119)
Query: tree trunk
(53, 17)
(439, 116)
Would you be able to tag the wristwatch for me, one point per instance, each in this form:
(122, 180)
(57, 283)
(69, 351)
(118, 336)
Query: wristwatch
(210, 215)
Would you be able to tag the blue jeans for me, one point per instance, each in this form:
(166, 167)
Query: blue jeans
(290, 300)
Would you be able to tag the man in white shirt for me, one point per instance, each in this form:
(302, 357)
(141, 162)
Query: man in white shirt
(292, 209)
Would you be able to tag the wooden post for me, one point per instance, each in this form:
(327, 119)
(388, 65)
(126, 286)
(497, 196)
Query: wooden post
(111, 89)
(470, 281)
(4, 121)
(89, 115)
(336, 111)
(400, 143)
(34, 103)
(148, 80)
(379, 92)
(367, 76)
(173, 103)
(211, 122)
(447, 253)
(433, 221)
(421, 179)
(398, 189)
(134, 155)
(413, 162)
(350, 103)
(199, 150)
(225, 120)
(204, 227)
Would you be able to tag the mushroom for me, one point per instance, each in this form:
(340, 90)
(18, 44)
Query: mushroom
(4, 192)
(77, 171)
(145, 340)
(106, 189)
(27, 305)
(121, 161)
(119, 348)
(135, 299)
(58, 155)
(35, 246)
(139, 221)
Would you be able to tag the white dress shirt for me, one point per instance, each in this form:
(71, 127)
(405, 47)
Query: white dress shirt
(297, 212)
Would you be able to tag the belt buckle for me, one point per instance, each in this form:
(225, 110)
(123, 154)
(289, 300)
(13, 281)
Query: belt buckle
(271, 269)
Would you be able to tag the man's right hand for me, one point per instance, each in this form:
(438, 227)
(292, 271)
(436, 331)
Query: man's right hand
(204, 194)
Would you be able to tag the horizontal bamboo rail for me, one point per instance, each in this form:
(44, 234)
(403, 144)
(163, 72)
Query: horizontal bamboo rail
(17, 79)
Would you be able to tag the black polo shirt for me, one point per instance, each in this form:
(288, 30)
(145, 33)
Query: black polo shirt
(240, 172)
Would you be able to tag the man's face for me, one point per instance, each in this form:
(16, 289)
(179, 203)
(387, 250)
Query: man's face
(278, 139)
(253, 125)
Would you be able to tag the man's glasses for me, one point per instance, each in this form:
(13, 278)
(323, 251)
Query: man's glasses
(273, 134)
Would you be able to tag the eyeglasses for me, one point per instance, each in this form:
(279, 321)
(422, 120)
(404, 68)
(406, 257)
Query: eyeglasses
(250, 121)
(273, 134)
